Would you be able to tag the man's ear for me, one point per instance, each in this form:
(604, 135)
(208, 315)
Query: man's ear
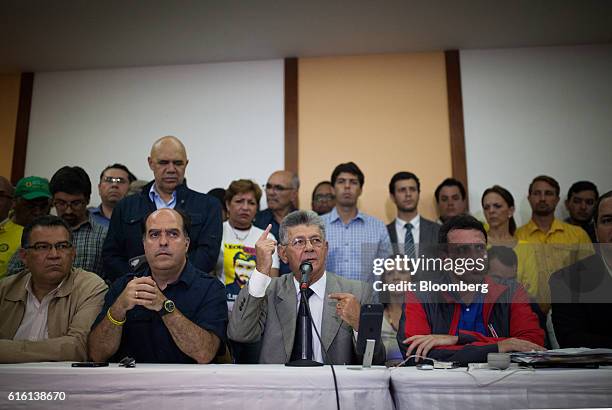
(150, 161)
(282, 253)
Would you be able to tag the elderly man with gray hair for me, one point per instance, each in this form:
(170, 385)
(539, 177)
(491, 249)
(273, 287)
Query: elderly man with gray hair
(267, 308)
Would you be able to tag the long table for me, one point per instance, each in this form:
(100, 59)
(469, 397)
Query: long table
(541, 388)
(158, 386)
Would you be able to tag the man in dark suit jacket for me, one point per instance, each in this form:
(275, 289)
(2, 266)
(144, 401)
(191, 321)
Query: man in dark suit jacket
(404, 190)
(266, 309)
(581, 293)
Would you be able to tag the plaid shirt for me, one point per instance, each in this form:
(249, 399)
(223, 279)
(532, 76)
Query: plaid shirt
(88, 239)
(354, 246)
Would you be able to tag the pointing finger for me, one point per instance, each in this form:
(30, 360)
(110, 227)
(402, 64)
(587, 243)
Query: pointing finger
(265, 233)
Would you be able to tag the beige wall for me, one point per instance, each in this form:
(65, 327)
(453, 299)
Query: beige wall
(387, 113)
(9, 103)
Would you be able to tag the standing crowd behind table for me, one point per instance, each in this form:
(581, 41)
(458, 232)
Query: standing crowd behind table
(161, 273)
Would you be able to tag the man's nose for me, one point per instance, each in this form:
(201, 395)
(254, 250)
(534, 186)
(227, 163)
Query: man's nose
(163, 240)
(53, 253)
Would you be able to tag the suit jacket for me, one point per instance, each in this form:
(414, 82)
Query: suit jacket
(581, 296)
(272, 319)
(428, 236)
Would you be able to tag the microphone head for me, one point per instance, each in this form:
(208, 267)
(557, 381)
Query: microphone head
(305, 268)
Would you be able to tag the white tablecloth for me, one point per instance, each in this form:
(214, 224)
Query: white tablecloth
(541, 388)
(156, 387)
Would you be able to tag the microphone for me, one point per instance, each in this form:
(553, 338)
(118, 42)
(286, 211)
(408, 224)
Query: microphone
(305, 270)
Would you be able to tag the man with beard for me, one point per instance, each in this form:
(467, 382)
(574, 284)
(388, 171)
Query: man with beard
(355, 238)
(464, 326)
(281, 194)
(114, 184)
(557, 244)
(580, 204)
(409, 231)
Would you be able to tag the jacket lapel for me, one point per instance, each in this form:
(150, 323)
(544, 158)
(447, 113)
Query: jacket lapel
(286, 310)
(330, 322)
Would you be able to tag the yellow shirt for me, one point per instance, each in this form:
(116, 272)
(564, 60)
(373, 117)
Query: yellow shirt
(10, 241)
(561, 246)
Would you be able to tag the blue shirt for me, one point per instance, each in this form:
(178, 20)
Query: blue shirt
(158, 201)
(98, 216)
(354, 246)
(471, 316)
(197, 295)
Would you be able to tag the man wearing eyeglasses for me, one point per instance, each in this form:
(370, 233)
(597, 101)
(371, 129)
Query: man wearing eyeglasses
(266, 309)
(281, 195)
(123, 250)
(47, 309)
(114, 185)
(460, 314)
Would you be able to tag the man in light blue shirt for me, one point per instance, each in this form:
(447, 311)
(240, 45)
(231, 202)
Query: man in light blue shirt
(355, 239)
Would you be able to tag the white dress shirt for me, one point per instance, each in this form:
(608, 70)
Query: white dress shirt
(258, 284)
(33, 326)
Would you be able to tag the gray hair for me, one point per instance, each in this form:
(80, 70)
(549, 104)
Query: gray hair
(296, 218)
(295, 181)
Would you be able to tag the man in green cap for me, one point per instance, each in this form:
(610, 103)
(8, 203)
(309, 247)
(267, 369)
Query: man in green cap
(31, 199)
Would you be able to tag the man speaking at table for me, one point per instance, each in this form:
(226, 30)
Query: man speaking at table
(463, 326)
(266, 309)
(170, 312)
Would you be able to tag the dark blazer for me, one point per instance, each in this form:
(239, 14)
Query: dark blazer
(124, 239)
(428, 235)
(581, 296)
(272, 319)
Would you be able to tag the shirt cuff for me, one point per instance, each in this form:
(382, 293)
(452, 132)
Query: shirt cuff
(258, 283)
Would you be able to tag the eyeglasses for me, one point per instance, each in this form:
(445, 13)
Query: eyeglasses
(276, 188)
(77, 204)
(300, 243)
(45, 247)
(114, 180)
(324, 197)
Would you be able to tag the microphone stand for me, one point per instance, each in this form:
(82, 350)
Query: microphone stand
(303, 315)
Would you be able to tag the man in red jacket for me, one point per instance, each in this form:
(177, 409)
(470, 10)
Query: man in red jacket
(463, 326)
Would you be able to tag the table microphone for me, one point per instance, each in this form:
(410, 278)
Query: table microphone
(305, 270)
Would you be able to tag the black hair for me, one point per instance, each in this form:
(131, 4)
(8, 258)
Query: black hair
(318, 185)
(507, 196)
(348, 167)
(131, 177)
(504, 254)
(463, 221)
(72, 180)
(219, 194)
(450, 182)
(44, 221)
(601, 198)
(401, 176)
(186, 222)
(582, 186)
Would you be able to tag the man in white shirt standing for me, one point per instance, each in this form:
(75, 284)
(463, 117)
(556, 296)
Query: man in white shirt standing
(267, 308)
(410, 233)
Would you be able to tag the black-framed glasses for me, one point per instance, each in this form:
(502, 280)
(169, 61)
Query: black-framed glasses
(114, 180)
(46, 247)
(324, 197)
(276, 188)
(300, 243)
(76, 204)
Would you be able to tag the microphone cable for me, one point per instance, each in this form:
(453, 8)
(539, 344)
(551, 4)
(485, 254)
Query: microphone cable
(326, 357)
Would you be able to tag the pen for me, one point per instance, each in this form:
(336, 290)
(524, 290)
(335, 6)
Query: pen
(492, 330)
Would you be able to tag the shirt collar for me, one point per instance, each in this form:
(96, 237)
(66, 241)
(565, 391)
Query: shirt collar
(85, 223)
(416, 221)
(48, 296)
(187, 276)
(556, 225)
(155, 197)
(318, 287)
(335, 217)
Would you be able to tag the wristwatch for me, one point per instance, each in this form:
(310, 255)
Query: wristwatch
(167, 307)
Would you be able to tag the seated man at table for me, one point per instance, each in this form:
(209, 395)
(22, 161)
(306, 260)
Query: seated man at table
(170, 312)
(266, 309)
(463, 324)
(47, 309)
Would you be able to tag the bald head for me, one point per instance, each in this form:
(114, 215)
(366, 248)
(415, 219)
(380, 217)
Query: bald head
(6, 197)
(168, 161)
(281, 190)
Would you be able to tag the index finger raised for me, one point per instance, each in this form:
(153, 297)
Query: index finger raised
(265, 233)
(340, 295)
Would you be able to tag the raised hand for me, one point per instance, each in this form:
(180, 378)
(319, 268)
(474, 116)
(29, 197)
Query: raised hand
(264, 249)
